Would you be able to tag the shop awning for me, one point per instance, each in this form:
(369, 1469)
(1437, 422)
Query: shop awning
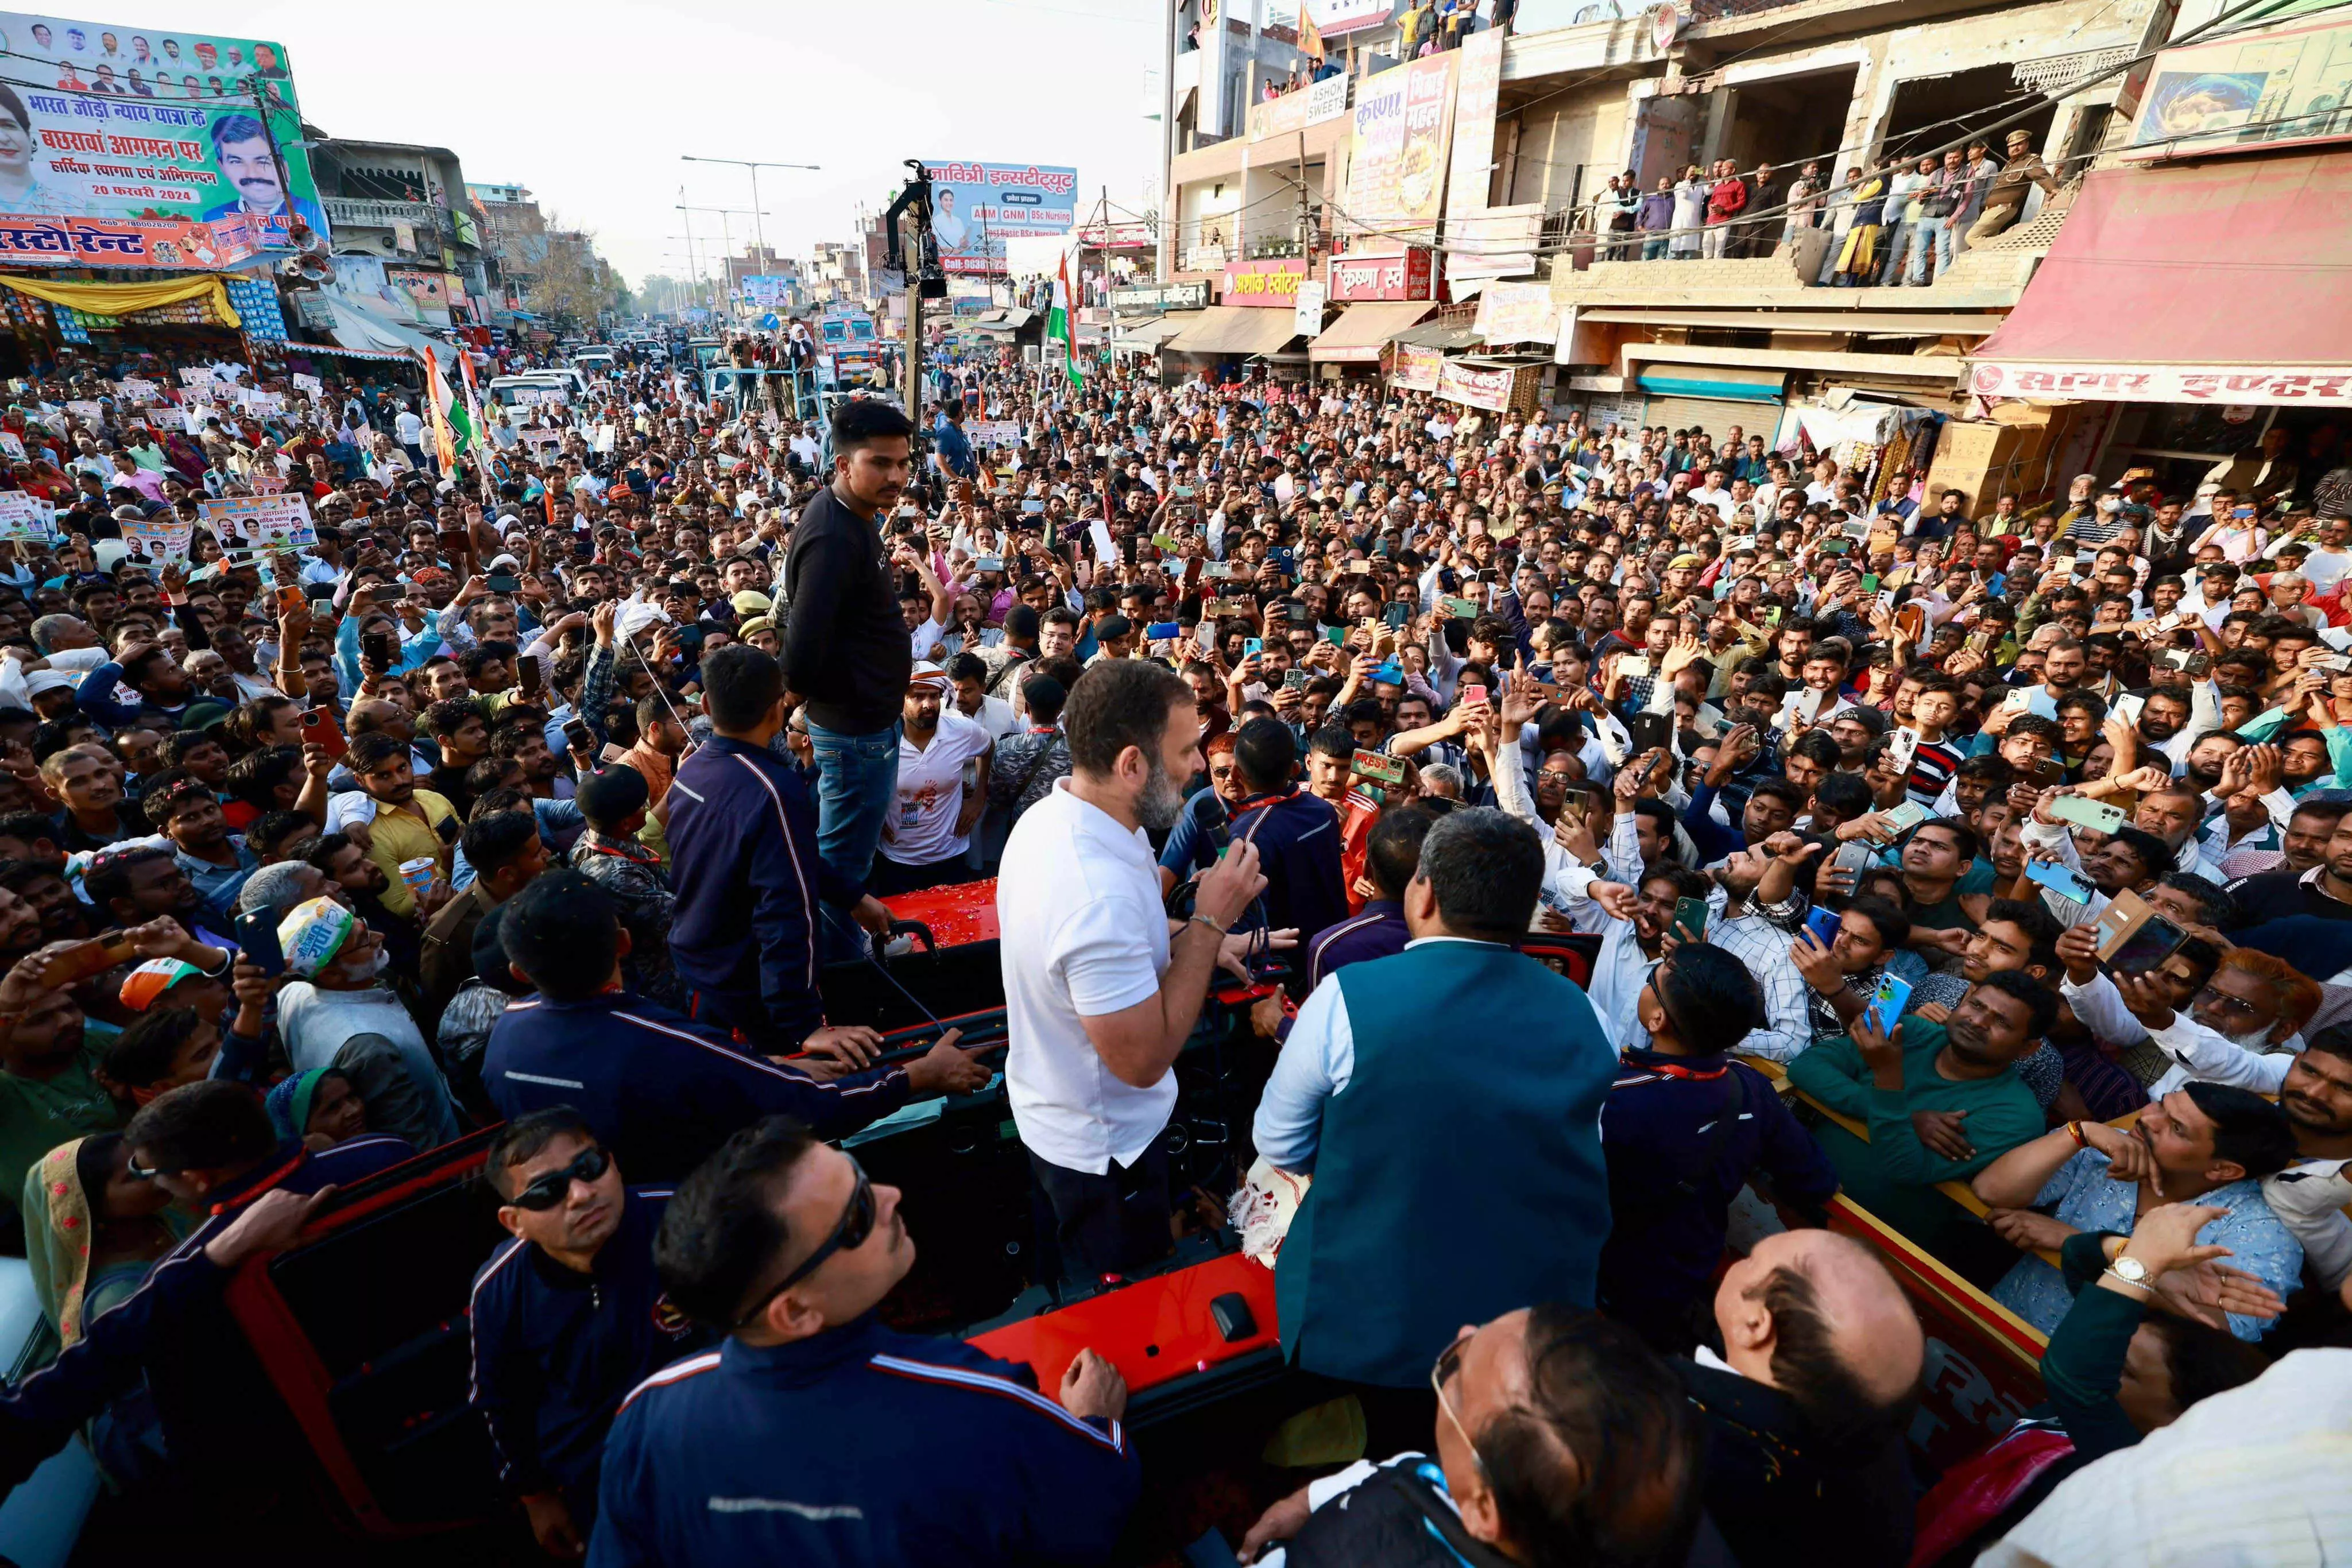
(357, 327)
(2224, 282)
(1448, 336)
(1235, 329)
(122, 299)
(339, 351)
(1151, 334)
(1363, 330)
(1725, 382)
(1869, 323)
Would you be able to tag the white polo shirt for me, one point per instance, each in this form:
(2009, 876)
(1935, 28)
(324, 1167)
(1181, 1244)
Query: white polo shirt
(1082, 933)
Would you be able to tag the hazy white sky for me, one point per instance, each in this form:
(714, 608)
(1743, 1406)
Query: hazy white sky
(590, 103)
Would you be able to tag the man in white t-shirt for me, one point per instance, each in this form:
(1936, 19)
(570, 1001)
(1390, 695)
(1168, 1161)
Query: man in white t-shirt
(929, 826)
(1101, 988)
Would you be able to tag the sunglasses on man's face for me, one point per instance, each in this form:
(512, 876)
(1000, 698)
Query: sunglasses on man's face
(545, 1191)
(850, 1233)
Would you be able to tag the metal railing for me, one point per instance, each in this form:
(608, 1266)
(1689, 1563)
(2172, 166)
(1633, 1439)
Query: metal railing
(367, 213)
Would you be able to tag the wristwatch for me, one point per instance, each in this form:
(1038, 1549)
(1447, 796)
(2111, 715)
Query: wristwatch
(2131, 1271)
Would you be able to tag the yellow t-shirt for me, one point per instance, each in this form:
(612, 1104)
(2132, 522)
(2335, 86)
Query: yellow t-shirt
(398, 836)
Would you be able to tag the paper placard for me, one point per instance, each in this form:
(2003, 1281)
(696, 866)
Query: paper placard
(259, 524)
(311, 384)
(23, 517)
(158, 541)
(12, 444)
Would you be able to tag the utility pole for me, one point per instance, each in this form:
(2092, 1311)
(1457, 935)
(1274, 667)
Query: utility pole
(758, 229)
(726, 280)
(1304, 247)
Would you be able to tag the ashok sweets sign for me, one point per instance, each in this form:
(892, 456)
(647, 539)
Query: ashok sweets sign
(1265, 283)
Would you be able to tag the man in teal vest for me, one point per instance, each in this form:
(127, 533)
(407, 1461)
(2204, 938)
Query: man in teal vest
(1447, 1101)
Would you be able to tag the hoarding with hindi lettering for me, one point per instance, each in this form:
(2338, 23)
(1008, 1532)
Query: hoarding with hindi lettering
(976, 207)
(1398, 148)
(146, 124)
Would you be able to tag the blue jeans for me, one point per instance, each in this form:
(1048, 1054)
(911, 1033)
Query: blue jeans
(1922, 241)
(1654, 248)
(857, 783)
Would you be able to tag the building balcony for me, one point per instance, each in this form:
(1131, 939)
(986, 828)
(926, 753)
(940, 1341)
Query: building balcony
(367, 213)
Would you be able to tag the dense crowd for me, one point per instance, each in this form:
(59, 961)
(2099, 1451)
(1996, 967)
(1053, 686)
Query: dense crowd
(1980, 859)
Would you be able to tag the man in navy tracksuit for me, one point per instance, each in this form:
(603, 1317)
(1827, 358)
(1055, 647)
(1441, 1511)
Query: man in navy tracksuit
(659, 1090)
(1297, 834)
(567, 1317)
(234, 1445)
(750, 886)
(1683, 1129)
(815, 1436)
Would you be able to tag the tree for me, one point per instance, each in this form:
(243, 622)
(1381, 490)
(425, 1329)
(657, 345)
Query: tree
(569, 280)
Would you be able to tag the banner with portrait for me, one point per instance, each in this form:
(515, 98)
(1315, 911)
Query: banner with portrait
(976, 207)
(128, 122)
(259, 525)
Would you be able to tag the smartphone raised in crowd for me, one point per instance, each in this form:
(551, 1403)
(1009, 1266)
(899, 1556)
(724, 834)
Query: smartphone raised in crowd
(257, 939)
(1690, 919)
(320, 729)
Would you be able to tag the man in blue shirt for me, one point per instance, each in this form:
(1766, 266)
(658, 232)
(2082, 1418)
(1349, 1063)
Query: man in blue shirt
(2208, 1144)
(951, 448)
(654, 1087)
(751, 886)
(814, 1434)
(567, 1317)
(1297, 834)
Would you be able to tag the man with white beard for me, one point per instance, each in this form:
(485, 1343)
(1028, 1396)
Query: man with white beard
(1101, 989)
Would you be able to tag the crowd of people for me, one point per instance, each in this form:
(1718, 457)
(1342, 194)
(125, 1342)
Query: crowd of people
(1630, 840)
(1894, 221)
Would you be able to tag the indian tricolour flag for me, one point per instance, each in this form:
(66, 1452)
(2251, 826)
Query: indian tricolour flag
(453, 426)
(1058, 323)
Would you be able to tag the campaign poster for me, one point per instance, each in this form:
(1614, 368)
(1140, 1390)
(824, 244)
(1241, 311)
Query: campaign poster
(130, 122)
(976, 207)
(158, 541)
(12, 444)
(23, 518)
(259, 525)
(89, 413)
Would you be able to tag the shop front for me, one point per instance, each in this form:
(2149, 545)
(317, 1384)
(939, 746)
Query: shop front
(1219, 345)
(1352, 346)
(2197, 302)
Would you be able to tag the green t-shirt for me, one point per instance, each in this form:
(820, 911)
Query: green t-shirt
(1978, 878)
(1893, 1175)
(36, 1114)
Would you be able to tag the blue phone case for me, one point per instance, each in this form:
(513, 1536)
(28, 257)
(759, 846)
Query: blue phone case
(1886, 1005)
(2061, 879)
(1823, 923)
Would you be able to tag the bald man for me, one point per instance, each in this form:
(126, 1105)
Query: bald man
(1805, 1405)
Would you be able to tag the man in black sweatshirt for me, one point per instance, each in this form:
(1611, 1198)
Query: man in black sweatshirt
(846, 653)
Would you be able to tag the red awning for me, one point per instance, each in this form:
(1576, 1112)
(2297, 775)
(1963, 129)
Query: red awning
(2228, 282)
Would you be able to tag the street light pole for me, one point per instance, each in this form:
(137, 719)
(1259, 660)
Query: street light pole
(755, 166)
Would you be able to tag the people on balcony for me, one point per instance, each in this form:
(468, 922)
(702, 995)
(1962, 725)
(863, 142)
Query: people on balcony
(1690, 215)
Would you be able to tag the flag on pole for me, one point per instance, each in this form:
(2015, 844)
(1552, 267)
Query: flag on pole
(1310, 37)
(453, 428)
(1058, 324)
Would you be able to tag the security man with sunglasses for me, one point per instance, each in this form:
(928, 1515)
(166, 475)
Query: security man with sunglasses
(567, 1317)
(813, 1434)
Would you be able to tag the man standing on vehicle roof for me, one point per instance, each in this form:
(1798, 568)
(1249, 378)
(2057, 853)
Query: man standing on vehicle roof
(845, 649)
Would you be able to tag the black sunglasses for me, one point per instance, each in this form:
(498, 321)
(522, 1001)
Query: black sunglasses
(546, 1191)
(849, 1234)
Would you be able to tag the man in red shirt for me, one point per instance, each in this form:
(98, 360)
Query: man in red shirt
(1725, 201)
(1328, 755)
